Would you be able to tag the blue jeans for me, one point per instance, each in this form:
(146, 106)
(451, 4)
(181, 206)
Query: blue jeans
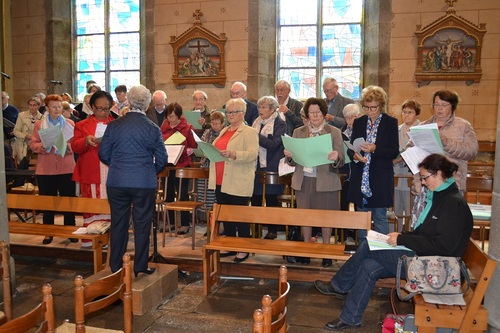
(379, 218)
(359, 275)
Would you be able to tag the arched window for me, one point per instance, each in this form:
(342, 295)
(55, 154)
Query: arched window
(319, 39)
(107, 43)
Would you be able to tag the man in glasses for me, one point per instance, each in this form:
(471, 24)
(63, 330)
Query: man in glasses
(336, 103)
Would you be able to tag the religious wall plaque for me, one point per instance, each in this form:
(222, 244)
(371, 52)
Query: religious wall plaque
(199, 56)
(449, 49)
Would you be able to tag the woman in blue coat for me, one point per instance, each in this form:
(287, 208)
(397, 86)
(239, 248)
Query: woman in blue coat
(372, 176)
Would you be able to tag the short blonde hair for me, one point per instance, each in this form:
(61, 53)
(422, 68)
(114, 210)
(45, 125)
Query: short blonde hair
(238, 103)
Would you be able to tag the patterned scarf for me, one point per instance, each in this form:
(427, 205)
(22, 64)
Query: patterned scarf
(371, 137)
(47, 122)
(264, 127)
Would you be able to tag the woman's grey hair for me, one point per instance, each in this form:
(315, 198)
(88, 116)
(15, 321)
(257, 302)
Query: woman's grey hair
(139, 97)
(270, 101)
(351, 110)
(238, 103)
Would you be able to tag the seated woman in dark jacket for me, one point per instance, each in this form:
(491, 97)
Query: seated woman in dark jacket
(443, 228)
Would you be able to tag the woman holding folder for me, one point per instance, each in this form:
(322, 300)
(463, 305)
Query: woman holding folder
(232, 179)
(54, 167)
(318, 187)
(175, 122)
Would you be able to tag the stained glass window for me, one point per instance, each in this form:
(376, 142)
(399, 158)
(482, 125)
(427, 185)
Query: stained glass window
(319, 39)
(108, 43)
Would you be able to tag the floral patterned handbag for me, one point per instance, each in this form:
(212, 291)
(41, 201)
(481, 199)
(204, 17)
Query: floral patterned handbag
(431, 275)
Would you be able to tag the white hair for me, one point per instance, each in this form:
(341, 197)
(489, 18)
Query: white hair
(139, 97)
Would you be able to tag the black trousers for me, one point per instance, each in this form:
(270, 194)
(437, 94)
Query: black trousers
(230, 229)
(140, 203)
(55, 185)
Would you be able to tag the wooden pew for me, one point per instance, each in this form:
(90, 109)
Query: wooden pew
(277, 216)
(472, 317)
(60, 204)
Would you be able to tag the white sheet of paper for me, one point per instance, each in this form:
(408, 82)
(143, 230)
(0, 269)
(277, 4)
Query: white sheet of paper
(100, 129)
(196, 137)
(284, 168)
(378, 241)
(80, 231)
(356, 144)
(413, 156)
(68, 131)
(49, 136)
(427, 138)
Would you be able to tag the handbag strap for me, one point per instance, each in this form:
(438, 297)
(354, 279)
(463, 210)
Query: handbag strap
(398, 282)
(427, 277)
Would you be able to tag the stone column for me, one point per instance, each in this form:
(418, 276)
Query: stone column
(491, 300)
(261, 48)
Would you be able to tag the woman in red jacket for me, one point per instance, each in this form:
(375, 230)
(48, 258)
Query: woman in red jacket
(175, 122)
(90, 172)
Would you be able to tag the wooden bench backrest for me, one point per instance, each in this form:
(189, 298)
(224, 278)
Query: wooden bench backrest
(5, 275)
(104, 292)
(58, 204)
(292, 217)
(263, 319)
(482, 268)
(43, 313)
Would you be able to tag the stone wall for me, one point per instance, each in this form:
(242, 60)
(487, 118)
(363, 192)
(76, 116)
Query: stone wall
(479, 101)
(250, 27)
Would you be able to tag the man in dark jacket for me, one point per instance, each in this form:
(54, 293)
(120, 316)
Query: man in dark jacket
(133, 149)
(289, 108)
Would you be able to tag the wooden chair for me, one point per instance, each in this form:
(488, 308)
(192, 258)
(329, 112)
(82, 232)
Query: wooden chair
(6, 288)
(288, 197)
(277, 310)
(392, 217)
(186, 174)
(479, 189)
(104, 292)
(41, 316)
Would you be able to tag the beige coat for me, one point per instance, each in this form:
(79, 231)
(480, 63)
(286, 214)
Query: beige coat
(239, 174)
(23, 127)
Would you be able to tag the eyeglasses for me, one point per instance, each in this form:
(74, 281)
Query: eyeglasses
(101, 109)
(233, 113)
(33, 104)
(443, 105)
(371, 108)
(315, 113)
(408, 111)
(425, 177)
(326, 91)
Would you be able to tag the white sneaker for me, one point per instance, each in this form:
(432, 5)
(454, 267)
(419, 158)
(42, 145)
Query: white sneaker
(349, 241)
(86, 244)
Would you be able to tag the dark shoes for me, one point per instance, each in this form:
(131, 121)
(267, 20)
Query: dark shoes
(47, 240)
(227, 254)
(183, 230)
(326, 289)
(338, 325)
(326, 262)
(238, 260)
(148, 271)
(270, 235)
(73, 240)
(298, 260)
